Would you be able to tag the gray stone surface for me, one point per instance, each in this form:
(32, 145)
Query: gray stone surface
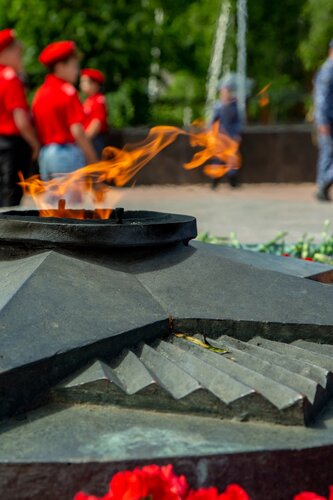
(99, 432)
(270, 262)
(267, 363)
(204, 285)
(59, 312)
(70, 313)
(133, 228)
(132, 374)
(322, 360)
(15, 273)
(90, 443)
(176, 375)
(226, 388)
(276, 393)
(325, 350)
(45, 317)
(253, 357)
(91, 305)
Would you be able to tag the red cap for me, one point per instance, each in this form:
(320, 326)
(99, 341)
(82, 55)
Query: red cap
(57, 51)
(94, 74)
(6, 38)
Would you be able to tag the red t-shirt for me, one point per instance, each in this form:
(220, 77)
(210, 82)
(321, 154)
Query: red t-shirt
(94, 107)
(12, 96)
(56, 106)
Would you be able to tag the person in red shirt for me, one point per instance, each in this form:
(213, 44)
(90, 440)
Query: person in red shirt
(94, 107)
(58, 114)
(18, 140)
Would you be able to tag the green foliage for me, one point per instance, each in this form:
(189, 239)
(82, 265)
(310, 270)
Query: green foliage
(188, 34)
(183, 90)
(120, 105)
(304, 248)
(274, 33)
(288, 101)
(317, 15)
(114, 36)
(285, 41)
(118, 37)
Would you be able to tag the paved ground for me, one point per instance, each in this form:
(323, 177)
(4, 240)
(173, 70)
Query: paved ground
(255, 212)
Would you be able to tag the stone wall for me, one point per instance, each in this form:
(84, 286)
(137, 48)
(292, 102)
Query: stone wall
(270, 154)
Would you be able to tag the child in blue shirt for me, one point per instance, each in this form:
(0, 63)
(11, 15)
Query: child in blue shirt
(227, 114)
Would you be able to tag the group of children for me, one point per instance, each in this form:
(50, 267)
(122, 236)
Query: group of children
(59, 131)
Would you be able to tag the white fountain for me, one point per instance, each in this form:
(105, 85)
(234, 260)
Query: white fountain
(215, 66)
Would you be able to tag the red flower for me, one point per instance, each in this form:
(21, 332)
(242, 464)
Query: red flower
(177, 484)
(204, 494)
(232, 492)
(160, 483)
(153, 482)
(150, 482)
(309, 495)
(85, 496)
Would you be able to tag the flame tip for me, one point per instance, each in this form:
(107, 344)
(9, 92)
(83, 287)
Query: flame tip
(119, 166)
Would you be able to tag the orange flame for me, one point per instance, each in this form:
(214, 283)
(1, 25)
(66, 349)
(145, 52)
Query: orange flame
(121, 165)
(216, 146)
(263, 96)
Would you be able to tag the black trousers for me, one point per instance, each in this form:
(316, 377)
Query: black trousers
(100, 142)
(15, 156)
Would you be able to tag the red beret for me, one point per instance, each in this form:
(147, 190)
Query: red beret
(57, 51)
(94, 74)
(6, 38)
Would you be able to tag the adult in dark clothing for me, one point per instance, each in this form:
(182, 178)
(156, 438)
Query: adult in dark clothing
(18, 140)
(323, 100)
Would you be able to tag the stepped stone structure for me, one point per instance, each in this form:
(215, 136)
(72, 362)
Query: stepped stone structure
(122, 343)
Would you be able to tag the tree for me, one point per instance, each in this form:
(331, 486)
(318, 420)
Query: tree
(124, 39)
(317, 16)
(114, 36)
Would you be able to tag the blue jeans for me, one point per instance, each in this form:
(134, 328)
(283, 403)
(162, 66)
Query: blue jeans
(59, 159)
(56, 160)
(325, 160)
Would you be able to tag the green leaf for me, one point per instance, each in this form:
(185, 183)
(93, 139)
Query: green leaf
(205, 344)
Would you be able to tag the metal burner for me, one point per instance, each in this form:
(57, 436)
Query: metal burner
(122, 229)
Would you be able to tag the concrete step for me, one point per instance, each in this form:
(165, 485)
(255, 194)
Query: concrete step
(127, 382)
(113, 384)
(270, 364)
(301, 367)
(97, 370)
(131, 373)
(298, 353)
(219, 383)
(256, 380)
(126, 372)
(168, 374)
(258, 360)
(276, 393)
(325, 349)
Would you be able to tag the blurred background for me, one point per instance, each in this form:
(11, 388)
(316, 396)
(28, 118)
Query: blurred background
(156, 53)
